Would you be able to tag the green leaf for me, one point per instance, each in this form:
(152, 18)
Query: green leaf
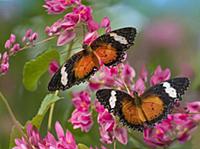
(37, 120)
(15, 133)
(34, 69)
(82, 146)
(46, 103)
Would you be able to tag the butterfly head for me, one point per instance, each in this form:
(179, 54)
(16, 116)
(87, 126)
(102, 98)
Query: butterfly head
(85, 46)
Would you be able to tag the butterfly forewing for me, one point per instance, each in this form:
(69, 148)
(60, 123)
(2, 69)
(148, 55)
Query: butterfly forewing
(169, 90)
(77, 69)
(110, 47)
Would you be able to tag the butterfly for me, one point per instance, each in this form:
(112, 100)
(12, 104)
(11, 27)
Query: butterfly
(147, 109)
(109, 49)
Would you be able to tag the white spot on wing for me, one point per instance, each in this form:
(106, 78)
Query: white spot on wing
(112, 99)
(64, 75)
(118, 38)
(170, 90)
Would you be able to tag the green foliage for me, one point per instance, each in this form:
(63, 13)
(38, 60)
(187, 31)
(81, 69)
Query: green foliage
(82, 146)
(34, 69)
(15, 133)
(46, 103)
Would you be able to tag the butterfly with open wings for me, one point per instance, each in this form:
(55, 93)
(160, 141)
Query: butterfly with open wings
(109, 49)
(142, 111)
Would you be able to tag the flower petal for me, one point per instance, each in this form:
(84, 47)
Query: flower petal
(66, 37)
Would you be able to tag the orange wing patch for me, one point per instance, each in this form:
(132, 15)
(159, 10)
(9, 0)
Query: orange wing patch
(106, 53)
(132, 114)
(85, 65)
(152, 107)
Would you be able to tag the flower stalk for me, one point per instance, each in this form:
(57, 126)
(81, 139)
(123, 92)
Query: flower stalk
(51, 112)
(15, 122)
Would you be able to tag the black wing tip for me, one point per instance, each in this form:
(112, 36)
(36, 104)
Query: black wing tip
(186, 80)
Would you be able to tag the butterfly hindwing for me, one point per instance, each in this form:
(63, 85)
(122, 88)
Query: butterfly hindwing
(111, 47)
(75, 70)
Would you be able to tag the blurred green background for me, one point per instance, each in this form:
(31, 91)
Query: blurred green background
(168, 35)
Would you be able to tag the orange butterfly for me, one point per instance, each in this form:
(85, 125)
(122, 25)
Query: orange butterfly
(145, 110)
(108, 48)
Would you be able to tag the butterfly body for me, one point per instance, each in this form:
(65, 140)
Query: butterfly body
(137, 112)
(108, 49)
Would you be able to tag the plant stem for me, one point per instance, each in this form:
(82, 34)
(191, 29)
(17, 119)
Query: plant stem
(115, 144)
(16, 123)
(51, 112)
(126, 87)
(140, 143)
(69, 50)
(37, 43)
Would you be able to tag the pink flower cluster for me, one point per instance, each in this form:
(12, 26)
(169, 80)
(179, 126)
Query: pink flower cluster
(81, 15)
(124, 75)
(81, 116)
(58, 6)
(34, 139)
(4, 63)
(13, 47)
(109, 130)
(177, 127)
(53, 67)
(29, 37)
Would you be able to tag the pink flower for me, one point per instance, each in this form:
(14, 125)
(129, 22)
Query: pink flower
(143, 73)
(54, 29)
(53, 67)
(71, 17)
(160, 75)
(121, 135)
(29, 36)
(128, 73)
(106, 120)
(58, 6)
(81, 101)
(10, 41)
(15, 48)
(90, 37)
(4, 64)
(55, 6)
(194, 109)
(139, 86)
(66, 37)
(33, 136)
(108, 128)
(33, 37)
(176, 127)
(81, 119)
(92, 25)
(85, 12)
(94, 86)
(64, 140)
(105, 23)
(106, 137)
